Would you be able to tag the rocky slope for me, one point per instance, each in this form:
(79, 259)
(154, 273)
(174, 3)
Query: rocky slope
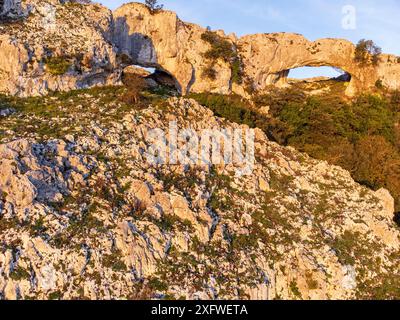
(86, 216)
(61, 45)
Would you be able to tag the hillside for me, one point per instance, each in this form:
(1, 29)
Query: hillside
(85, 216)
(90, 207)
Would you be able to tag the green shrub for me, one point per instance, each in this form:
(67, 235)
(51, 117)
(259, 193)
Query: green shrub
(210, 73)
(379, 84)
(237, 71)
(153, 6)
(243, 241)
(224, 50)
(56, 295)
(57, 66)
(367, 52)
(114, 262)
(220, 47)
(135, 85)
(20, 273)
(38, 227)
(157, 285)
(311, 282)
(295, 289)
(231, 107)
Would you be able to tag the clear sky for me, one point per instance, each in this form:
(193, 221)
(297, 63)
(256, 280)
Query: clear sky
(378, 20)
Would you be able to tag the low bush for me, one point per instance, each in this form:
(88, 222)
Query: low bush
(154, 6)
(57, 66)
(231, 107)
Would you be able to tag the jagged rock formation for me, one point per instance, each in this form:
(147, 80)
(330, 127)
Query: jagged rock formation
(88, 217)
(86, 37)
(12, 9)
(164, 41)
(56, 46)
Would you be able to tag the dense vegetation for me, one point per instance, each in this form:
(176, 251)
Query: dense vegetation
(362, 136)
(233, 108)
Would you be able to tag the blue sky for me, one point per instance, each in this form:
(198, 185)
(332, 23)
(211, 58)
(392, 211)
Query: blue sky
(378, 20)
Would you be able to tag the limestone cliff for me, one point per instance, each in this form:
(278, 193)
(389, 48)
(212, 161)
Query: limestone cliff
(55, 45)
(163, 40)
(87, 45)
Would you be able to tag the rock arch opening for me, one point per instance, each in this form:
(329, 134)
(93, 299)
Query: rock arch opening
(137, 50)
(397, 218)
(153, 77)
(316, 74)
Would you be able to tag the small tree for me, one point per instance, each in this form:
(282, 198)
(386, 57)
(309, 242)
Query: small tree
(154, 6)
(134, 84)
(367, 52)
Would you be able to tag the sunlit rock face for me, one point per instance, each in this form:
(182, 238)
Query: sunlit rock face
(163, 40)
(54, 45)
(76, 226)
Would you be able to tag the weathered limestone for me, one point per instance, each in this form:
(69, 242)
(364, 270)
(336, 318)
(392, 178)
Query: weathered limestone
(306, 229)
(74, 33)
(12, 9)
(88, 35)
(162, 40)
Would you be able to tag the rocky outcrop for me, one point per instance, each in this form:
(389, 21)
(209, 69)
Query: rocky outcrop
(164, 41)
(88, 217)
(268, 58)
(56, 46)
(12, 10)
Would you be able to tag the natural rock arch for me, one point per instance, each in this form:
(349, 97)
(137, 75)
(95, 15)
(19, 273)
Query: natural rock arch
(176, 47)
(137, 46)
(266, 58)
(163, 41)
